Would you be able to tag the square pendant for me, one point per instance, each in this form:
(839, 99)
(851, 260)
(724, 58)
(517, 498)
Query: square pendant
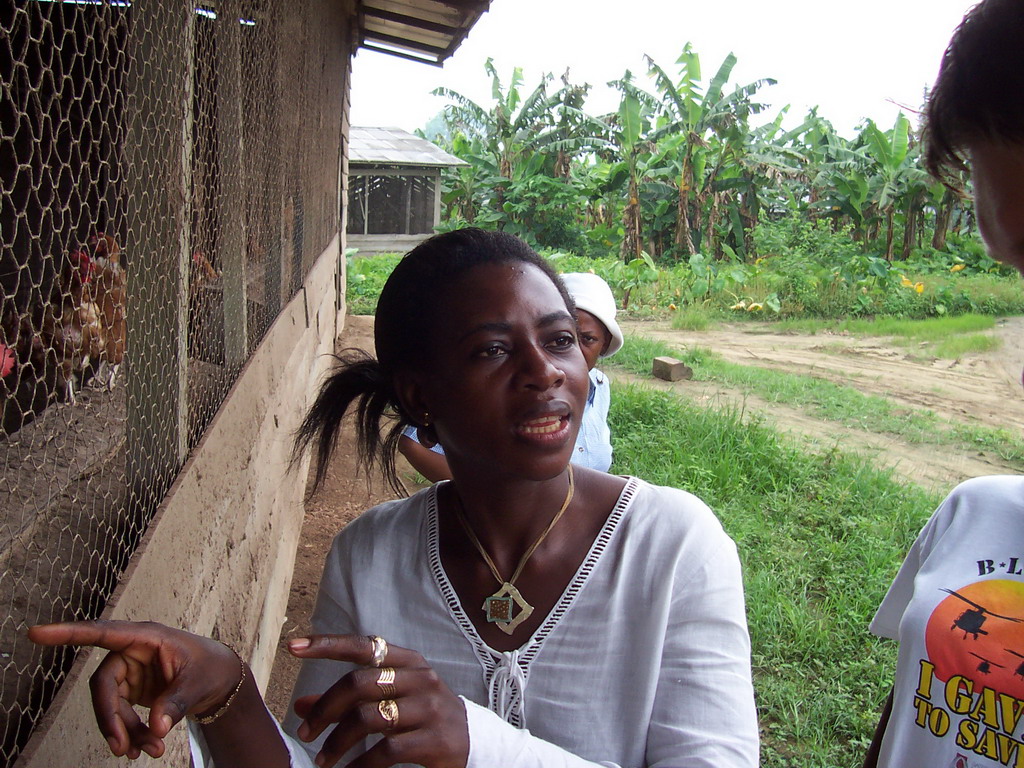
(499, 608)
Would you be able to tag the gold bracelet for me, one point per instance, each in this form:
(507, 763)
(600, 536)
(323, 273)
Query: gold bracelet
(216, 715)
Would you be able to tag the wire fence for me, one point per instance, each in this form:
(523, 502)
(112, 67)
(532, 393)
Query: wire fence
(168, 173)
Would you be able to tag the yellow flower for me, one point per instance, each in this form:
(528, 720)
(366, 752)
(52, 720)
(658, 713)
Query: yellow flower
(957, 267)
(919, 287)
(740, 305)
(904, 281)
(754, 307)
(673, 307)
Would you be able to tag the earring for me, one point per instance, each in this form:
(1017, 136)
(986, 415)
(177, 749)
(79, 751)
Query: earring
(426, 419)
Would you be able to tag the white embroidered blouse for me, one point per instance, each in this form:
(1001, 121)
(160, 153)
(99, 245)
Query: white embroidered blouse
(644, 661)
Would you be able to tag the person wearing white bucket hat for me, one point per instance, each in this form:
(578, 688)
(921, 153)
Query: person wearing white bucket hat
(599, 336)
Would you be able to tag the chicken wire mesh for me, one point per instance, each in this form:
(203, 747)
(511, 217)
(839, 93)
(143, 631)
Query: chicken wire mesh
(168, 173)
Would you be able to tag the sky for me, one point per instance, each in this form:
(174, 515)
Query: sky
(852, 58)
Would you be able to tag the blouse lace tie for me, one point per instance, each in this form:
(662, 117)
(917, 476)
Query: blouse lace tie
(507, 688)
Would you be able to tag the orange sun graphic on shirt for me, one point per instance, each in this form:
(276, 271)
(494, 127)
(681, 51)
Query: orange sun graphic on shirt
(978, 632)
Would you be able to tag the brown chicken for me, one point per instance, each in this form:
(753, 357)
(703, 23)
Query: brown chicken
(202, 270)
(71, 324)
(109, 292)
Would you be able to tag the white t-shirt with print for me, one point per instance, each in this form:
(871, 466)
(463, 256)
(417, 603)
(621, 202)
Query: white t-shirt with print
(957, 609)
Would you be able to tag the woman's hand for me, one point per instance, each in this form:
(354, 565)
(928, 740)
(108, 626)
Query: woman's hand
(172, 672)
(427, 725)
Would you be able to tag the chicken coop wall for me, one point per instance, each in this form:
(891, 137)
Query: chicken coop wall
(392, 210)
(170, 277)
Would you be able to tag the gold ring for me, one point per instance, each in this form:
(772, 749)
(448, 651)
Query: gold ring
(388, 709)
(380, 650)
(386, 681)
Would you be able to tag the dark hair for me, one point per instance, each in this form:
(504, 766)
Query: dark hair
(407, 314)
(979, 94)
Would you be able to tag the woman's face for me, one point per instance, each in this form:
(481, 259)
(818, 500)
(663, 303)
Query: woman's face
(998, 174)
(594, 336)
(508, 383)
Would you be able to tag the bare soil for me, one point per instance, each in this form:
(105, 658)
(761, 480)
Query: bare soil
(978, 389)
(982, 389)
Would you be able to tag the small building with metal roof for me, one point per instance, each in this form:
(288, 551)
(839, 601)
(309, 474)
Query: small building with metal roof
(394, 193)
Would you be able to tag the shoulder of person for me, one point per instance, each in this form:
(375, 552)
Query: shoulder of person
(672, 510)
(675, 530)
(974, 501)
(1005, 489)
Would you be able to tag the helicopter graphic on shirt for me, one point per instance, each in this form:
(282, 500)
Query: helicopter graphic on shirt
(975, 633)
(970, 622)
(1020, 667)
(986, 664)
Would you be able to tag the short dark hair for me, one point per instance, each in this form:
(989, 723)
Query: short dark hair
(408, 311)
(979, 94)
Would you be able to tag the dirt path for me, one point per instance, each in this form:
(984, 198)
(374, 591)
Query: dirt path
(981, 389)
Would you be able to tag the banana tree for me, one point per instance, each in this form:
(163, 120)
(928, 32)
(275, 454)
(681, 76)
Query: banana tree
(509, 129)
(466, 189)
(895, 170)
(713, 125)
(945, 201)
(621, 140)
(522, 137)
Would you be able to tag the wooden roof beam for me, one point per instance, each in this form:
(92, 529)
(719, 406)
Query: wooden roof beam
(410, 21)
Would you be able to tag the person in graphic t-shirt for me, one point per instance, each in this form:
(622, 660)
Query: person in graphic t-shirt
(957, 604)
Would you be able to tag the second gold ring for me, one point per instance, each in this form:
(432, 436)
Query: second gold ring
(386, 682)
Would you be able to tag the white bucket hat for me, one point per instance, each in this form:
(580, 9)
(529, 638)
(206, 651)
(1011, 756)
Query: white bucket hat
(592, 294)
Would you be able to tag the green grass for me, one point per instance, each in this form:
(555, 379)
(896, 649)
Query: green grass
(365, 277)
(972, 343)
(930, 329)
(825, 400)
(948, 338)
(694, 317)
(820, 537)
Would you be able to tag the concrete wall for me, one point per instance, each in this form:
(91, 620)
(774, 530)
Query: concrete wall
(218, 557)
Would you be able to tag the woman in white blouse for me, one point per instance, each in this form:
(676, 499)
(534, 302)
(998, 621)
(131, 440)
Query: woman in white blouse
(525, 613)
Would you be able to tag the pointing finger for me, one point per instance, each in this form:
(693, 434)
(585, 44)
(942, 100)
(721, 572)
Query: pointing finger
(112, 635)
(357, 649)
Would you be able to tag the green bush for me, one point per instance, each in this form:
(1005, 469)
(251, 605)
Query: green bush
(365, 277)
(809, 271)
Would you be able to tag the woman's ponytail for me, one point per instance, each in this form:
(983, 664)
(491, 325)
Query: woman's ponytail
(359, 385)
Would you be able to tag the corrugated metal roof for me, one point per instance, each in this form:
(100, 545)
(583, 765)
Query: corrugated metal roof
(427, 31)
(393, 146)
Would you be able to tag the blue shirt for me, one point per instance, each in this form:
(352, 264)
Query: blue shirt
(594, 442)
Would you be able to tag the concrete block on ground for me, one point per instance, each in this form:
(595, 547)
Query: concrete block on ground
(670, 369)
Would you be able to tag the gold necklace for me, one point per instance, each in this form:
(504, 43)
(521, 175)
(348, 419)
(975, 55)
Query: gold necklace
(498, 606)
